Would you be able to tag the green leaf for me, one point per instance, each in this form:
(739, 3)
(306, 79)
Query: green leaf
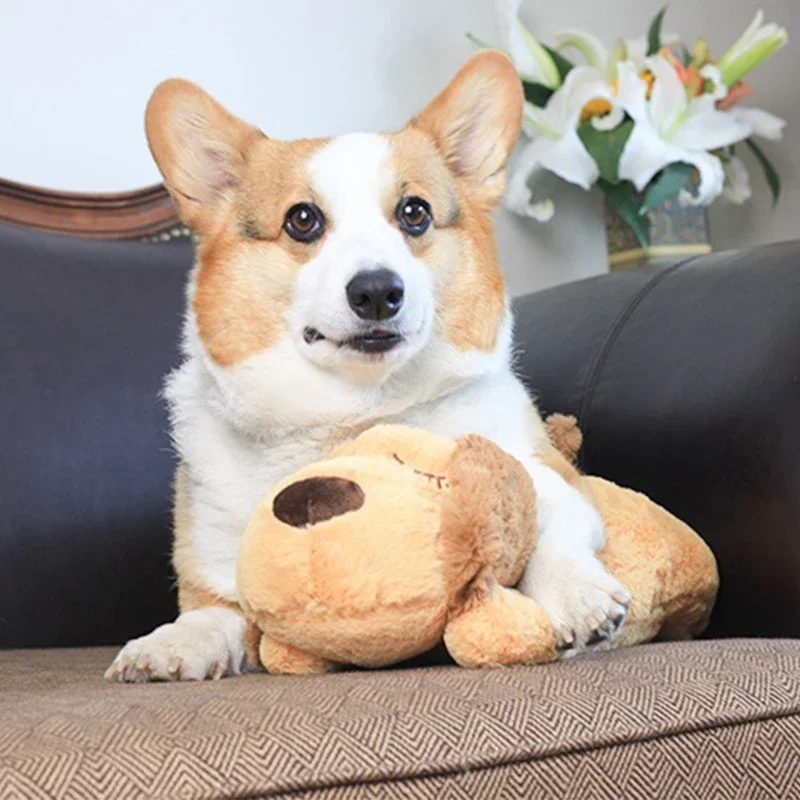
(770, 173)
(654, 34)
(606, 147)
(626, 201)
(672, 179)
(537, 93)
(563, 65)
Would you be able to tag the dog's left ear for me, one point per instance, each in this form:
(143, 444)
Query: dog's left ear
(476, 120)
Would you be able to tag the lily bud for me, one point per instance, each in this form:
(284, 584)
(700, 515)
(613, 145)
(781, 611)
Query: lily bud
(754, 47)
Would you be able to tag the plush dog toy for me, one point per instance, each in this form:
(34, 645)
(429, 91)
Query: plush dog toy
(404, 538)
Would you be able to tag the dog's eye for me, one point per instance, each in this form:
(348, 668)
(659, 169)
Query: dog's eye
(413, 215)
(304, 222)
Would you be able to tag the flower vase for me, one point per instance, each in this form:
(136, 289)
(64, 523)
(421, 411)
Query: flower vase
(675, 231)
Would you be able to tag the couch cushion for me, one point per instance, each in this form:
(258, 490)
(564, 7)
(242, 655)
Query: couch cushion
(695, 719)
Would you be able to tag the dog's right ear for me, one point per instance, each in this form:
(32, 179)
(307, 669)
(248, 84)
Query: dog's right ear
(200, 148)
(475, 122)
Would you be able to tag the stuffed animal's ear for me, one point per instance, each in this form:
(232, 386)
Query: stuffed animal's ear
(489, 515)
(565, 435)
(200, 148)
(475, 122)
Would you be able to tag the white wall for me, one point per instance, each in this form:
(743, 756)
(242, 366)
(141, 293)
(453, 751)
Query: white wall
(76, 77)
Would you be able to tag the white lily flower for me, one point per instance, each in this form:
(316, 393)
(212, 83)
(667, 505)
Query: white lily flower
(753, 47)
(764, 124)
(556, 146)
(670, 127)
(533, 63)
(737, 182)
(712, 74)
(636, 48)
(594, 51)
(597, 55)
(522, 195)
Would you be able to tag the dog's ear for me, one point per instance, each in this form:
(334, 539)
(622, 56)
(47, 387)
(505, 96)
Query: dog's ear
(200, 148)
(476, 120)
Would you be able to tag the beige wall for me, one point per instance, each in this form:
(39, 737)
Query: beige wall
(77, 76)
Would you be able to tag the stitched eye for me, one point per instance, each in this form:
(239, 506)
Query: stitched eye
(413, 215)
(304, 222)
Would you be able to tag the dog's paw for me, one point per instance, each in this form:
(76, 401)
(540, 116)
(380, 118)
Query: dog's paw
(197, 646)
(586, 605)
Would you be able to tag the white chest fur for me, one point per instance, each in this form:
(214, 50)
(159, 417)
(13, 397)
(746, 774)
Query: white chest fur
(230, 470)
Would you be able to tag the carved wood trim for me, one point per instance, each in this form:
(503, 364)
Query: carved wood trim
(147, 213)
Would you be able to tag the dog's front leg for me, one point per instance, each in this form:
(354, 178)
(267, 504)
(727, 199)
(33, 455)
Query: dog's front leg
(586, 605)
(202, 643)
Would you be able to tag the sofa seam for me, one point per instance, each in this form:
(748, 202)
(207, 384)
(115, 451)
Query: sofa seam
(527, 759)
(610, 339)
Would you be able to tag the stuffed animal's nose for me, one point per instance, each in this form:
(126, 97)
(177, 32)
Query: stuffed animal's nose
(315, 500)
(376, 294)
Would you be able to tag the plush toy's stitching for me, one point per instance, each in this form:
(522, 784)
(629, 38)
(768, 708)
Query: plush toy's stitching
(441, 480)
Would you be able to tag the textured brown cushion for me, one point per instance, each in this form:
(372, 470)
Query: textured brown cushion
(716, 718)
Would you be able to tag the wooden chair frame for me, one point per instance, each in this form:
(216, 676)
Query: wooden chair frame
(147, 214)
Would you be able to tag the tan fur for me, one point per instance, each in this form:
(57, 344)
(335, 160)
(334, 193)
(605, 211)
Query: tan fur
(252, 644)
(229, 181)
(488, 518)
(424, 450)
(461, 252)
(244, 285)
(233, 186)
(200, 148)
(475, 148)
(283, 659)
(668, 569)
(565, 435)
(474, 303)
(378, 585)
(244, 291)
(339, 565)
(474, 132)
(441, 536)
(504, 627)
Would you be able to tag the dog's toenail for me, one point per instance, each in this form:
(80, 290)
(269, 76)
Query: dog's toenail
(565, 638)
(596, 637)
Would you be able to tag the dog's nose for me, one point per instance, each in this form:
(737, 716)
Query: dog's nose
(376, 293)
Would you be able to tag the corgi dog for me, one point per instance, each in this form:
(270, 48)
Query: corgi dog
(341, 283)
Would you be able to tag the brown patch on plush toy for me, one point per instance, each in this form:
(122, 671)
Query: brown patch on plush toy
(316, 499)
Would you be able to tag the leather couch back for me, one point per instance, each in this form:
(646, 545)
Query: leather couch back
(686, 383)
(87, 332)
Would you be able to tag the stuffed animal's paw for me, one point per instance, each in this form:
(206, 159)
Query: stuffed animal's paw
(200, 644)
(586, 605)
